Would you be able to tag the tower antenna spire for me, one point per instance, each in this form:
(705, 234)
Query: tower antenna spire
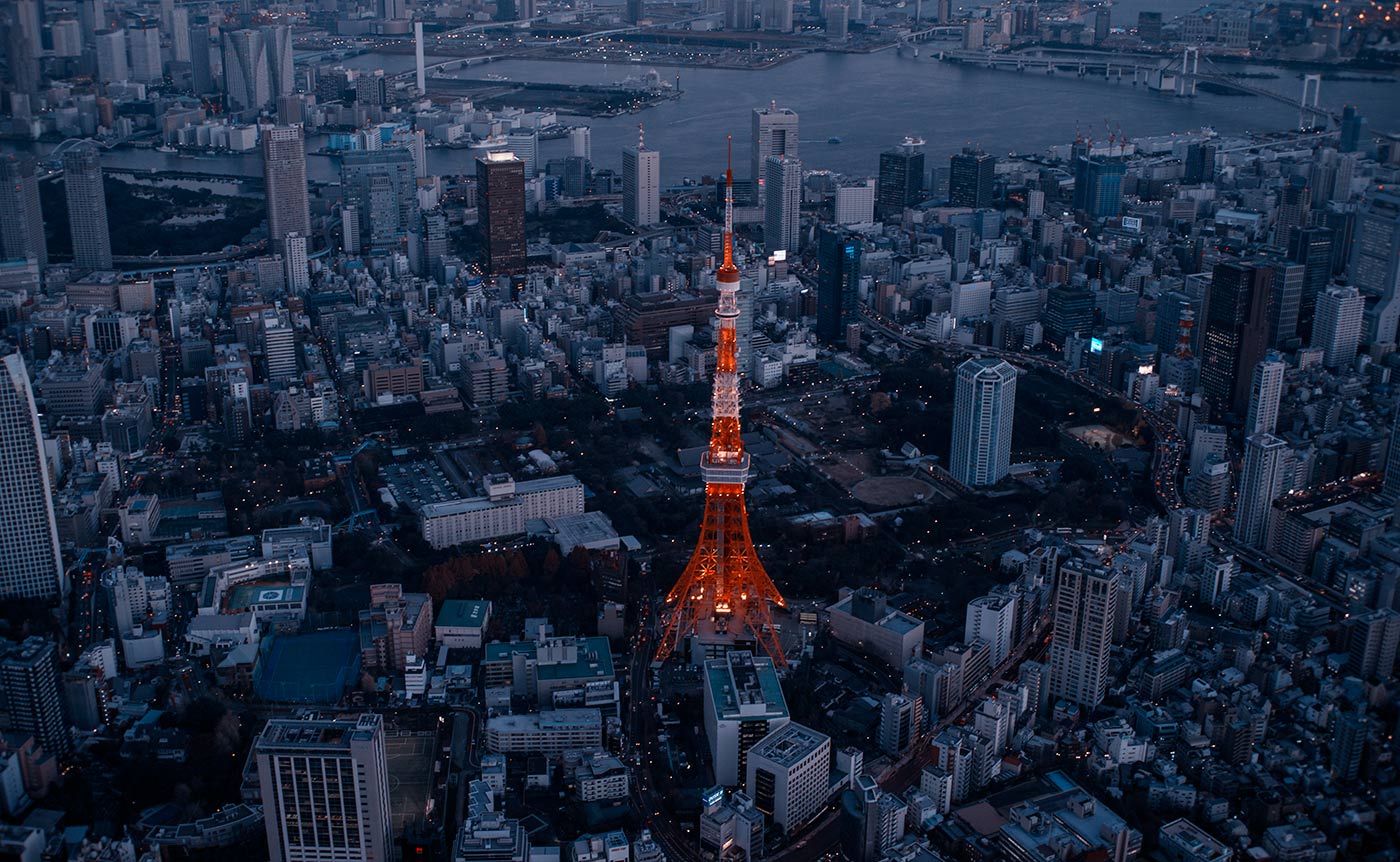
(729, 204)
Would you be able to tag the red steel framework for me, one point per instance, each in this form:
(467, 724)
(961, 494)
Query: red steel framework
(724, 589)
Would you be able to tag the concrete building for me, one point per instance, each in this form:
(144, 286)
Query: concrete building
(549, 733)
(782, 204)
(30, 682)
(641, 185)
(87, 207)
(743, 703)
(284, 173)
(864, 620)
(984, 408)
(461, 624)
(325, 790)
(1084, 606)
(993, 619)
(1261, 483)
(503, 511)
(1337, 327)
(789, 775)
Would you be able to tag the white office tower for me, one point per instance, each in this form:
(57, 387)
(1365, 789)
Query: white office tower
(1085, 601)
(901, 717)
(855, 203)
(295, 261)
(743, 703)
(789, 775)
(782, 206)
(325, 790)
(31, 565)
(1265, 391)
(992, 618)
(1217, 573)
(284, 175)
(179, 34)
(279, 348)
(1375, 262)
(350, 229)
(641, 184)
(525, 143)
(420, 76)
(111, 56)
(143, 48)
(1337, 325)
(581, 142)
(1261, 483)
(774, 134)
(247, 79)
(984, 404)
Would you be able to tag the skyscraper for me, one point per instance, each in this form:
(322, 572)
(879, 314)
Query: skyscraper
(30, 682)
(247, 79)
(1354, 131)
(201, 72)
(1084, 606)
(1235, 333)
(1337, 328)
(1294, 201)
(1373, 639)
(1375, 262)
(382, 185)
(1285, 301)
(782, 193)
(257, 66)
(111, 56)
(970, 176)
(1261, 483)
(901, 179)
(19, 25)
(143, 47)
(21, 219)
(284, 174)
(641, 184)
(774, 134)
(1098, 186)
(87, 207)
(294, 260)
(838, 277)
(1265, 391)
(500, 202)
(1311, 249)
(325, 789)
(1200, 164)
(984, 405)
(31, 565)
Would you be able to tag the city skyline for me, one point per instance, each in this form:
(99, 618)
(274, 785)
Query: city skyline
(402, 461)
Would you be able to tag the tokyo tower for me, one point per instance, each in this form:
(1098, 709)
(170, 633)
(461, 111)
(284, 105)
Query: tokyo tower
(724, 592)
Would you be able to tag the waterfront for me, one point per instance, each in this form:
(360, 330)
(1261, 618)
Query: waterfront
(870, 101)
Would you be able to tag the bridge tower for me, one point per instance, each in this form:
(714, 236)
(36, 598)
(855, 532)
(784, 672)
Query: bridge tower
(1307, 104)
(1190, 67)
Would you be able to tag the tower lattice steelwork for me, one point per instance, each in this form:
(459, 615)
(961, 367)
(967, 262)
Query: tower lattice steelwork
(724, 589)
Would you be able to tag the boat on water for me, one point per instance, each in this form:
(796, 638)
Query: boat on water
(492, 76)
(833, 140)
(494, 142)
(165, 148)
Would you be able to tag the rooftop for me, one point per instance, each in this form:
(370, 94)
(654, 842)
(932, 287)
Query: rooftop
(746, 686)
(790, 744)
(463, 613)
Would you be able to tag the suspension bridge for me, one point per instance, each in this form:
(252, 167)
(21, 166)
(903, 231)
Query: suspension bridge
(1181, 75)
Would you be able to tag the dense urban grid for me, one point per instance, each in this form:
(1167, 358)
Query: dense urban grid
(388, 473)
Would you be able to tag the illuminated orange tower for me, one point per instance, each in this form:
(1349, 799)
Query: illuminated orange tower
(724, 591)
